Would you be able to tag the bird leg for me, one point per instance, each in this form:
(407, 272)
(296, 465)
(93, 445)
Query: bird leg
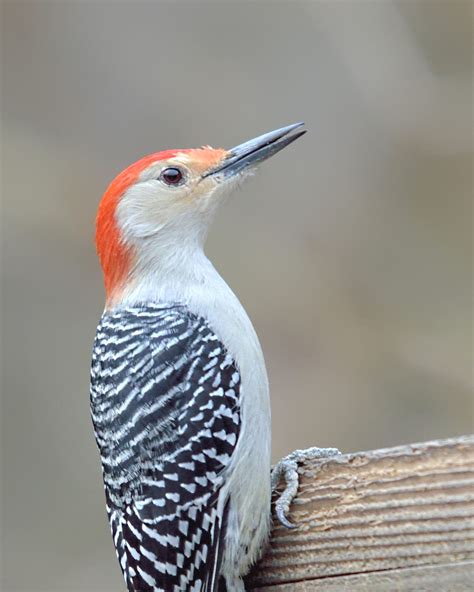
(288, 467)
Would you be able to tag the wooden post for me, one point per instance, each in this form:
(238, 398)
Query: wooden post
(394, 519)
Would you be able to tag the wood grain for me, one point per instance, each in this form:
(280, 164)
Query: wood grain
(453, 577)
(408, 509)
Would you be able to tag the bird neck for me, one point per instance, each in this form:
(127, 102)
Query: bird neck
(174, 275)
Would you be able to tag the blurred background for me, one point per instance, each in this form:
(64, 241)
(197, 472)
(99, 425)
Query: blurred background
(351, 250)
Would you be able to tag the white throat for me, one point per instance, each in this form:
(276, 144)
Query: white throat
(177, 275)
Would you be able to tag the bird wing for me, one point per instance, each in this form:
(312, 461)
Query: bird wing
(165, 403)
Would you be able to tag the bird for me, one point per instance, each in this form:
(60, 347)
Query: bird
(179, 390)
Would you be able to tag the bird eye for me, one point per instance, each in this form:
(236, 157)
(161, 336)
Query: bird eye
(171, 176)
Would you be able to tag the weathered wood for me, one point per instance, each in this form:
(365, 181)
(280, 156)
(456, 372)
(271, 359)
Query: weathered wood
(394, 519)
(453, 577)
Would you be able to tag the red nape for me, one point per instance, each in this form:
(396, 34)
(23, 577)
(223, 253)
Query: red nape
(115, 257)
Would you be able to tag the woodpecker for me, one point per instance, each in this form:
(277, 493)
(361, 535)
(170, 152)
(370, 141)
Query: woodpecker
(179, 389)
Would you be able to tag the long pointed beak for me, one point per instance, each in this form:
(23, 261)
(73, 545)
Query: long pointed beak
(256, 151)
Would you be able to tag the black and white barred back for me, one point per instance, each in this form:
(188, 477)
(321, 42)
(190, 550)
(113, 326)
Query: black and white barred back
(166, 414)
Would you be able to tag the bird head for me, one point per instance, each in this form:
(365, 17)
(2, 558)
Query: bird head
(158, 210)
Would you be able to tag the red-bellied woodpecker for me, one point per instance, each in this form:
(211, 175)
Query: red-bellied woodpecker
(179, 390)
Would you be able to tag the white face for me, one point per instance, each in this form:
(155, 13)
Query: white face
(172, 203)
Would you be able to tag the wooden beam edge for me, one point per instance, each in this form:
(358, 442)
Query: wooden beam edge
(451, 577)
(409, 507)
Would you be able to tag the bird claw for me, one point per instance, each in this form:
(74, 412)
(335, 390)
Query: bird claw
(283, 520)
(288, 467)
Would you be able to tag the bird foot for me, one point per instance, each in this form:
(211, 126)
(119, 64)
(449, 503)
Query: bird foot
(288, 467)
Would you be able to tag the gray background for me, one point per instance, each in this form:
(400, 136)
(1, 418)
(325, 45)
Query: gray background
(351, 250)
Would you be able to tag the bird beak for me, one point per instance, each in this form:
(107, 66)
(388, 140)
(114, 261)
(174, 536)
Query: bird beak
(255, 151)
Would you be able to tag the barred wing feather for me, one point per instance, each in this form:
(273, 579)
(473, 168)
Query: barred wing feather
(166, 414)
